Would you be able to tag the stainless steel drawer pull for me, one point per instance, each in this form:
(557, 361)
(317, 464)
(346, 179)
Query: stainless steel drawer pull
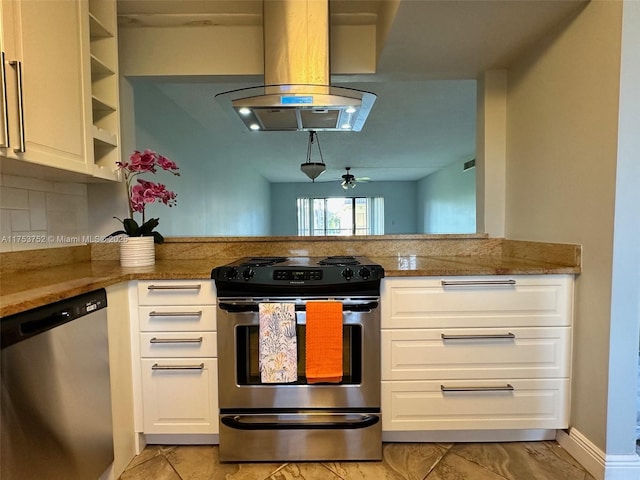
(476, 283)
(197, 313)
(495, 336)
(500, 388)
(176, 340)
(174, 287)
(155, 366)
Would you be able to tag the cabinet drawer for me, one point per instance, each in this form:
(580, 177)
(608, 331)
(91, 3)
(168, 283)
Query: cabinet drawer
(524, 301)
(536, 404)
(178, 344)
(475, 353)
(180, 395)
(176, 292)
(178, 318)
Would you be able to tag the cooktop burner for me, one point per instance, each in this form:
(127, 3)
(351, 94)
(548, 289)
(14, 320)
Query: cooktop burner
(262, 261)
(339, 261)
(336, 261)
(296, 275)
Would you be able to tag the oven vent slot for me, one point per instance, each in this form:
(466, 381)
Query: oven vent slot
(253, 307)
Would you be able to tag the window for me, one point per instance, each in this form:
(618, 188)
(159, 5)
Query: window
(340, 216)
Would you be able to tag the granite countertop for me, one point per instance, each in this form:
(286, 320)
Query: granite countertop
(29, 289)
(23, 290)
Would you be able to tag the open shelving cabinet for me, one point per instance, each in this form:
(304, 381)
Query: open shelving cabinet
(105, 129)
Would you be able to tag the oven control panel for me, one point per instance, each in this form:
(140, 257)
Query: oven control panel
(244, 280)
(267, 275)
(319, 275)
(297, 275)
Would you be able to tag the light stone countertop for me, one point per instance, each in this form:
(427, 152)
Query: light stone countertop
(34, 278)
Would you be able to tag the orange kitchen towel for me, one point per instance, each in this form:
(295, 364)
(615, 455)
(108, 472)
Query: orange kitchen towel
(324, 342)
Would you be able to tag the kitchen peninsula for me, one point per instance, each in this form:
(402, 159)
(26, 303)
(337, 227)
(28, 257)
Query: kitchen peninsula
(33, 278)
(37, 277)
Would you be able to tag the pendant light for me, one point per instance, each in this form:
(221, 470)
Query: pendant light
(309, 168)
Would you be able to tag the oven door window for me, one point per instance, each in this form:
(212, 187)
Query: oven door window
(247, 370)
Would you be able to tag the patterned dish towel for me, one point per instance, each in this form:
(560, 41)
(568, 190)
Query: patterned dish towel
(278, 346)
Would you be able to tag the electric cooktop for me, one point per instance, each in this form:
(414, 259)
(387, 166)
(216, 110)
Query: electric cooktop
(258, 275)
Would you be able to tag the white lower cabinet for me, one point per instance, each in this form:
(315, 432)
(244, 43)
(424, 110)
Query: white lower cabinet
(179, 395)
(177, 350)
(459, 355)
(476, 353)
(475, 404)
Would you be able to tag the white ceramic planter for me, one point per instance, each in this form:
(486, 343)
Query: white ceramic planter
(137, 252)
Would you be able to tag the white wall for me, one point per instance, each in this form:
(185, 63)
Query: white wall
(625, 299)
(447, 201)
(491, 145)
(562, 135)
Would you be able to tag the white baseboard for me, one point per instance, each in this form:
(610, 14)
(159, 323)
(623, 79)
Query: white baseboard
(461, 436)
(140, 442)
(108, 474)
(595, 461)
(182, 439)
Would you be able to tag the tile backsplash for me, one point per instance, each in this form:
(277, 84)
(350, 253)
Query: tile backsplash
(36, 213)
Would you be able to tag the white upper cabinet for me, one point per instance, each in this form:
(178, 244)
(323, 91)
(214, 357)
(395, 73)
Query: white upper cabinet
(45, 110)
(60, 85)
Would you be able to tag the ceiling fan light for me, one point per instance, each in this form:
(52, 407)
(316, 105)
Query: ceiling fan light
(313, 169)
(348, 180)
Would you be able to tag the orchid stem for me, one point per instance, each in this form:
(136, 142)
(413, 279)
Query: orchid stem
(128, 182)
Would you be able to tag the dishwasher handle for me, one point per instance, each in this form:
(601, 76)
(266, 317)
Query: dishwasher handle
(21, 326)
(40, 325)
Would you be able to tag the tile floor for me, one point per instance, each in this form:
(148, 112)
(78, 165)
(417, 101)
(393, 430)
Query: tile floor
(401, 461)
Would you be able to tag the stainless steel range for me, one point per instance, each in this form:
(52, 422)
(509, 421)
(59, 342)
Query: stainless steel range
(290, 416)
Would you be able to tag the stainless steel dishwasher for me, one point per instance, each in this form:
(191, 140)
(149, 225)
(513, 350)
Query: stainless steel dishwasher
(56, 396)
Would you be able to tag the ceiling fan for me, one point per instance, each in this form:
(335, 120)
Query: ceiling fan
(350, 181)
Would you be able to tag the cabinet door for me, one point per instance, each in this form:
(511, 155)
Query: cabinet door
(475, 353)
(46, 83)
(178, 344)
(492, 301)
(178, 318)
(176, 292)
(6, 46)
(180, 395)
(475, 404)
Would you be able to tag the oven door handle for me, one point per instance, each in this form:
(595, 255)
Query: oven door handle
(240, 422)
(253, 307)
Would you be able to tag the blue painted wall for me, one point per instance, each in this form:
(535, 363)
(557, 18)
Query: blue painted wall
(446, 201)
(211, 201)
(215, 199)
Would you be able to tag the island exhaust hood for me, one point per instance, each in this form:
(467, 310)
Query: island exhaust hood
(297, 95)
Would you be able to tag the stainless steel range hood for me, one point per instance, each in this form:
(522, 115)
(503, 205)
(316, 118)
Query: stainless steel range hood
(297, 95)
